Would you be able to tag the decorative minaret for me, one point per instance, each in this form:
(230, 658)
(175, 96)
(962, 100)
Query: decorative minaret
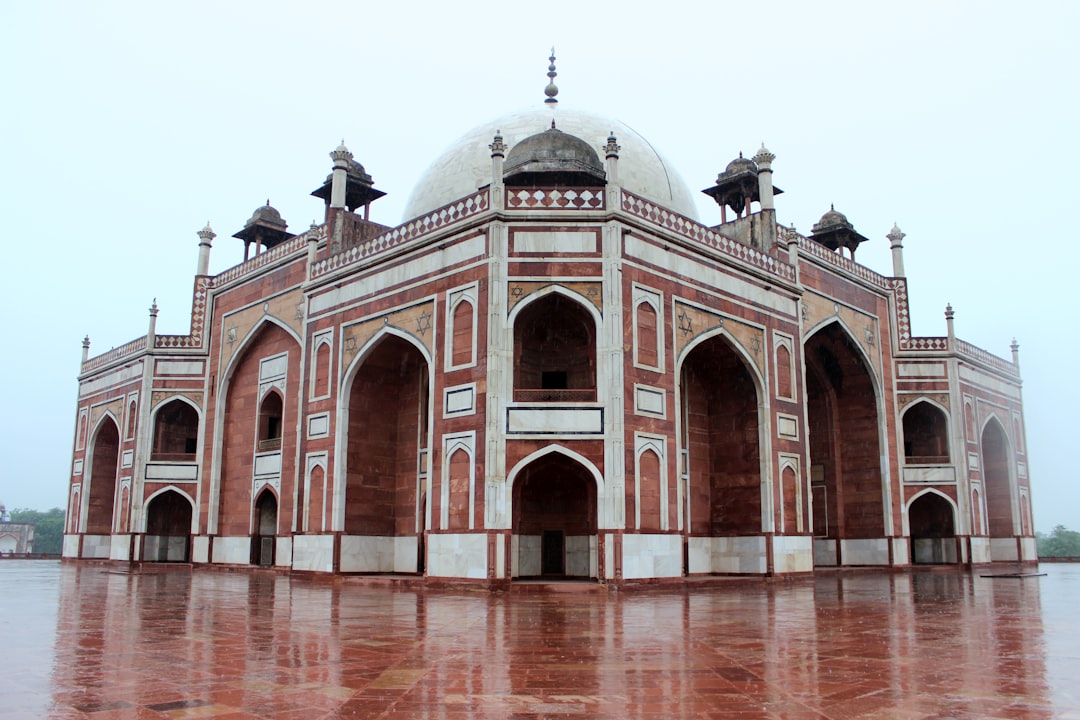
(611, 155)
(764, 160)
(85, 348)
(206, 239)
(949, 323)
(1015, 347)
(498, 155)
(896, 237)
(152, 330)
(341, 157)
(312, 247)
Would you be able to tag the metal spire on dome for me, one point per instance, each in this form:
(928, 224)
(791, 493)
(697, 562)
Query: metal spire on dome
(552, 89)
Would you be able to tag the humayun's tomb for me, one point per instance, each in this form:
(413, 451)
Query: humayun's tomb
(550, 369)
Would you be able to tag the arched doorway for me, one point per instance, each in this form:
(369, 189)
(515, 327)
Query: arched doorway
(259, 430)
(102, 498)
(387, 458)
(554, 352)
(995, 464)
(932, 524)
(168, 528)
(845, 456)
(264, 539)
(720, 443)
(554, 518)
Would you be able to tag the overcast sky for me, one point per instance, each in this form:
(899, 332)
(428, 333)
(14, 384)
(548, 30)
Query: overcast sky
(126, 126)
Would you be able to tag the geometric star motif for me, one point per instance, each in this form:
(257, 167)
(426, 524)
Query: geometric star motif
(423, 323)
(686, 325)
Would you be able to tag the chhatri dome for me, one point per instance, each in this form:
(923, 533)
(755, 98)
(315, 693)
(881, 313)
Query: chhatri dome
(466, 164)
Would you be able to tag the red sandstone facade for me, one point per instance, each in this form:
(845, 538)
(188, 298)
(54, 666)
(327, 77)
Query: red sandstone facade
(563, 378)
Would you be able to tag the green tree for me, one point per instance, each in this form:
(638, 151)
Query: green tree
(1061, 542)
(49, 533)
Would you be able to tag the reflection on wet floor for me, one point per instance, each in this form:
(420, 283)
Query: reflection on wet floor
(94, 642)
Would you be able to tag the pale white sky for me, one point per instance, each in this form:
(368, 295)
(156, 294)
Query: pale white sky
(127, 125)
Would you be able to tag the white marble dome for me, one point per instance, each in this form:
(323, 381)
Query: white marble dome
(466, 164)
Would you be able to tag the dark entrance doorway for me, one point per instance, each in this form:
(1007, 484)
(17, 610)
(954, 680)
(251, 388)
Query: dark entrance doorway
(933, 534)
(555, 519)
(553, 553)
(262, 543)
(168, 528)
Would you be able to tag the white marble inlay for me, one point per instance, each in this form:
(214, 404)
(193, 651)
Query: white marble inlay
(649, 401)
(920, 370)
(554, 242)
(318, 425)
(461, 399)
(936, 474)
(172, 471)
(232, 550)
(457, 555)
(178, 367)
(273, 367)
(555, 421)
(873, 551)
(787, 426)
(433, 260)
(124, 374)
(268, 463)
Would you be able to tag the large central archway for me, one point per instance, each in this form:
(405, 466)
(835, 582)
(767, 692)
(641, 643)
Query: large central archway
(554, 519)
(386, 461)
(845, 455)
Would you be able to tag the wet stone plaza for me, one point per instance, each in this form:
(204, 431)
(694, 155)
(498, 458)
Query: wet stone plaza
(104, 642)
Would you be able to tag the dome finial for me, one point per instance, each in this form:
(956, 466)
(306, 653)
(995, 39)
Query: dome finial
(551, 90)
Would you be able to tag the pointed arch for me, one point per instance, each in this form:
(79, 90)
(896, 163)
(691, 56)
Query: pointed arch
(176, 423)
(867, 361)
(849, 483)
(554, 512)
(932, 518)
(100, 482)
(463, 332)
(169, 523)
(555, 347)
(235, 439)
(402, 409)
(720, 388)
(547, 290)
(180, 491)
(925, 425)
(555, 448)
(998, 478)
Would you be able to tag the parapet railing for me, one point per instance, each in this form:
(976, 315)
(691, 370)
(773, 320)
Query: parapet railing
(136, 345)
(411, 230)
(687, 228)
(977, 354)
(285, 249)
(819, 251)
(591, 198)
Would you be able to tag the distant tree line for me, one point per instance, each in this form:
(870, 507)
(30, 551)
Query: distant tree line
(49, 533)
(1061, 542)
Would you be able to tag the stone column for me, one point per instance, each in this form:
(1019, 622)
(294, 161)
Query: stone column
(949, 322)
(764, 160)
(896, 237)
(152, 330)
(498, 154)
(206, 238)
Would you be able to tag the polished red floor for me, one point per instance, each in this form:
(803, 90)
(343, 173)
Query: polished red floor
(90, 642)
